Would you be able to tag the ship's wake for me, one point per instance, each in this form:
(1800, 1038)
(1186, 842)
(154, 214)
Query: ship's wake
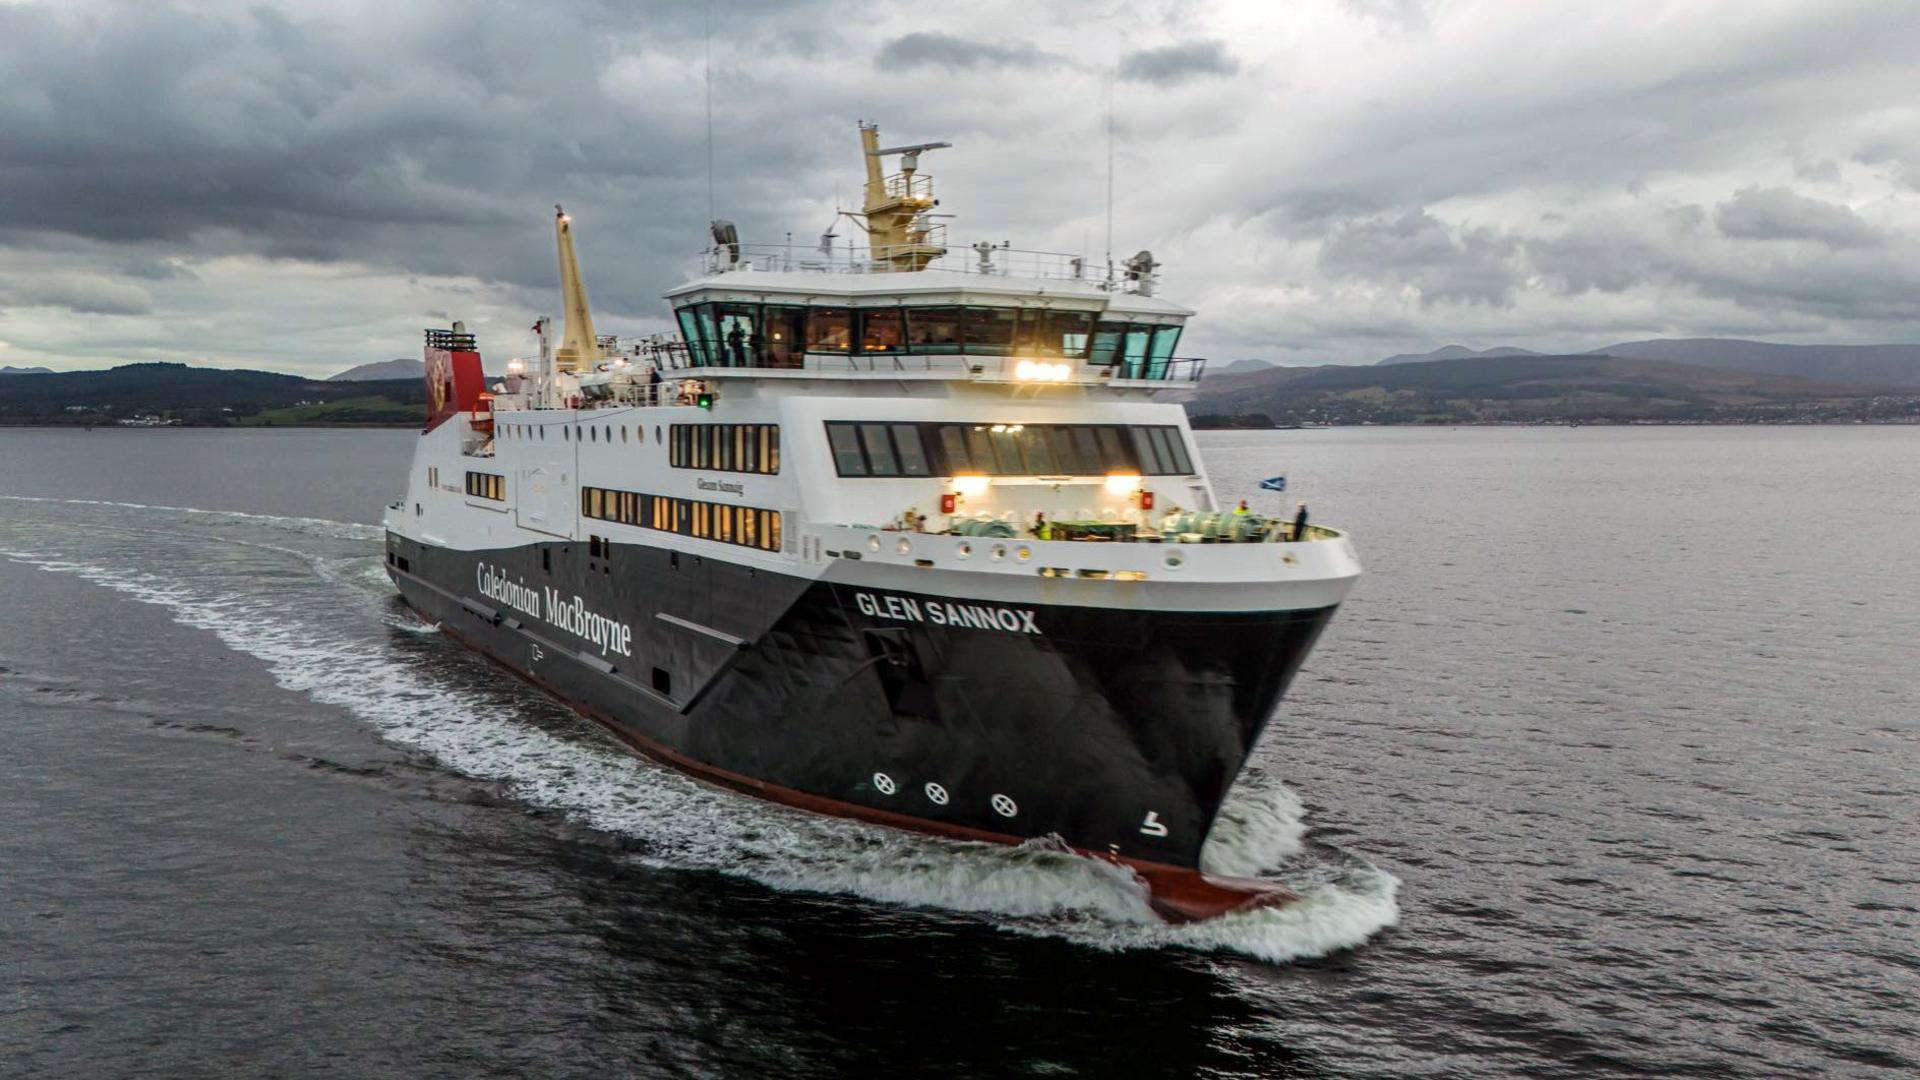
(331, 630)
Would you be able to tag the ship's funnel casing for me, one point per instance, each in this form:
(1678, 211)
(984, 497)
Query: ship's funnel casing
(579, 348)
(455, 380)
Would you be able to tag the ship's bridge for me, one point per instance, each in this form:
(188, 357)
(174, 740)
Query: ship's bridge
(1015, 317)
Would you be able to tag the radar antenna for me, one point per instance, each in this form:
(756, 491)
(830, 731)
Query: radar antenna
(899, 234)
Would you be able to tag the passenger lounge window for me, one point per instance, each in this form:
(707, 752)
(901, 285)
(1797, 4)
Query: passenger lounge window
(906, 449)
(745, 526)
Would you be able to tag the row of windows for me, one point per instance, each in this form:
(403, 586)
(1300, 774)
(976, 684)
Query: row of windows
(483, 485)
(750, 448)
(893, 449)
(778, 335)
(725, 522)
(576, 432)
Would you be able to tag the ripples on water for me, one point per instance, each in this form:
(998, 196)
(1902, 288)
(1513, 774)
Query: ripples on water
(1642, 751)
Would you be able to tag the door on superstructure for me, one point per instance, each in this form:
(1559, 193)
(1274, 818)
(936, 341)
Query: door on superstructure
(546, 499)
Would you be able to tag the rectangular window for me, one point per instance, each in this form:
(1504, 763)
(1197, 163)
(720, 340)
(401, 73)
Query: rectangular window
(745, 526)
(1035, 453)
(990, 330)
(1106, 343)
(1133, 358)
(952, 446)
(847, 458)
(879, 450)
(1174, 451)
(882, 330)
(908, 449)
(487, 486)
(738, 327)
(1161, 356)
(913, 457)
(785, 328)
(829, 330)
(748, 448)
(690, 333)
(1066, 333)
(934, 330)
(1148, 453)
(709, 334)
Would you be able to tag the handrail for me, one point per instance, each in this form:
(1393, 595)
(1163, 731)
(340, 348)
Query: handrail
(975, 260)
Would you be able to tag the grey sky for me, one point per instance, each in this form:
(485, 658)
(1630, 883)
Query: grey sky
(303, 186)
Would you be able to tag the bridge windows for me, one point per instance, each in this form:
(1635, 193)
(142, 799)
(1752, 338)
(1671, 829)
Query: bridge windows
(747, 448)
(882, 330)
(829, 330)
(935, 330)
(732, 334)
(877, 449)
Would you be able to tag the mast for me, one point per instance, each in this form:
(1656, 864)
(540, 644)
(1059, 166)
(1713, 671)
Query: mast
(899, 236)
(579, 348)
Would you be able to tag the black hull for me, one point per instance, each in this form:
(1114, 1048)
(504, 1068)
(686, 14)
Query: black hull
(1118, 731)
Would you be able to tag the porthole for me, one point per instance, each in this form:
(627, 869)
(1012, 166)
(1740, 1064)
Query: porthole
(884, 784)
(965, 550)
(1173, 560)
(873, 543)
(609, 432)
(1023, 553)
(904, 547)
(999, 552)
(656, 433)
(1004, 806)
(623, 433)
(936, 794)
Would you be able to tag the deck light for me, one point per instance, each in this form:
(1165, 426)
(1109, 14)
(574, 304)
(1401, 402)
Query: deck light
(1122, 483)
(971, 484)
(704, 399)
(1041, 371)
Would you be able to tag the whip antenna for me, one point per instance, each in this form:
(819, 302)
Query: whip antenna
(708, 49)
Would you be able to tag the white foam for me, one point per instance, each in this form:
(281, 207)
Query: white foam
(1260, 827)
(1035, 888)
(339, 530)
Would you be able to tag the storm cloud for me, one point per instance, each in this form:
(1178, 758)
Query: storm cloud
(302, 186)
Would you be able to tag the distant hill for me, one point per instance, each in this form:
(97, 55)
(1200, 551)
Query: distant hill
(1880, 365)
(404, 367)
(11, 370)
(206, 396)
(1241, 367)
(1533, 387)
(1454, 352)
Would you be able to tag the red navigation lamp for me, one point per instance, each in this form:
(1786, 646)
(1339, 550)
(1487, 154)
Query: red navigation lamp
(947, 501)
(1146, 499)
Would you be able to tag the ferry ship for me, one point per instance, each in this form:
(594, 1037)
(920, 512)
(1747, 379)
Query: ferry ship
(883, 531)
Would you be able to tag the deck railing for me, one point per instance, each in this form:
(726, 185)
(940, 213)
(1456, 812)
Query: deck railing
(854, 256)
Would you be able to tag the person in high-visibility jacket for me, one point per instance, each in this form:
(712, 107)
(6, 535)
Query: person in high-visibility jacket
(1241, 510)
(1042, 530)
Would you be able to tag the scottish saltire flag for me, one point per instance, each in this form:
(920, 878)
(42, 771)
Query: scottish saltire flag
(1274, 483)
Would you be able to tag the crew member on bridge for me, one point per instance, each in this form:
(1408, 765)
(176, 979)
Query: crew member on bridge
(1042, 530)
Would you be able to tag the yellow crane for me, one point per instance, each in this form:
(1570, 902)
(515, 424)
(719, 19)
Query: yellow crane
(579, 348)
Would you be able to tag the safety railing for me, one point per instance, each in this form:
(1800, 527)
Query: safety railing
(973, 260)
